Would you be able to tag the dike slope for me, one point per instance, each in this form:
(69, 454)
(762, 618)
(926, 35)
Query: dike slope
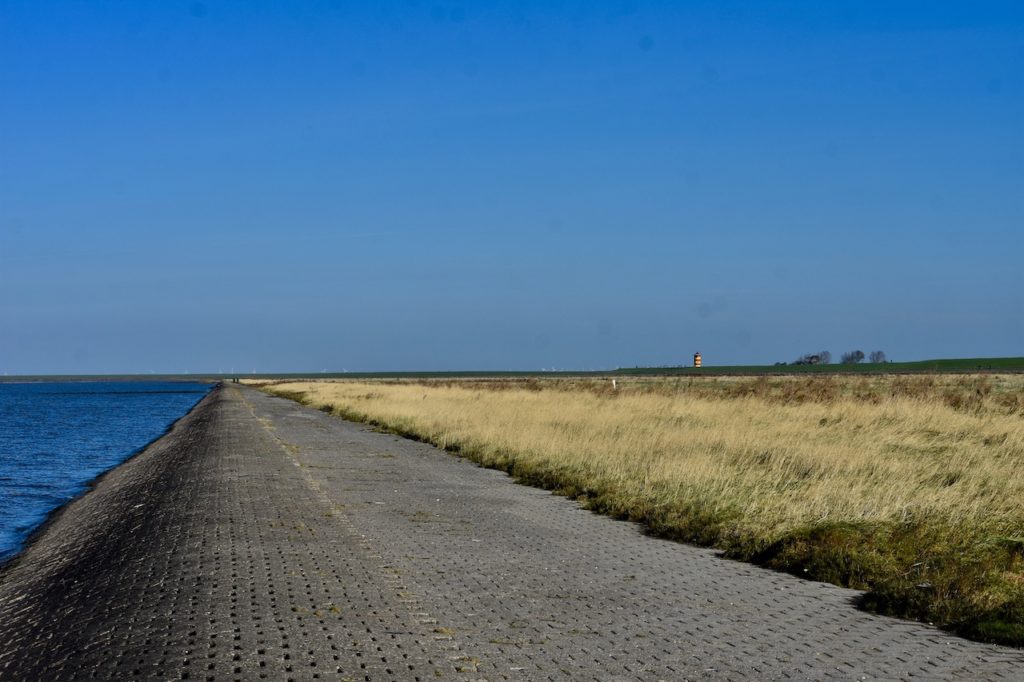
(263, 540)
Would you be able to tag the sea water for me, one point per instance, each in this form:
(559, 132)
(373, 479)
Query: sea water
(56, 437)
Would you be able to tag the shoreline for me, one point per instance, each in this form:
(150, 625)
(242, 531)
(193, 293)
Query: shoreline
(8, 564)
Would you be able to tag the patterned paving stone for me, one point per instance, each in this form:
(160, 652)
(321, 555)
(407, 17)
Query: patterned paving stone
(264, 540)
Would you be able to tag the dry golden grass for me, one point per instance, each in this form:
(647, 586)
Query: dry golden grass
(911, 488)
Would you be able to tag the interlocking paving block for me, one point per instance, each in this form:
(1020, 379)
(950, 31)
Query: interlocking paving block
(264, 540)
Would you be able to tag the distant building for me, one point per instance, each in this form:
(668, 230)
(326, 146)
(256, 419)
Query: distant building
(696, 360)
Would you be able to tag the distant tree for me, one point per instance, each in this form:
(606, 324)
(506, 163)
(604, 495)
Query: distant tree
(822, 358)
(877, 356)
(853, 357)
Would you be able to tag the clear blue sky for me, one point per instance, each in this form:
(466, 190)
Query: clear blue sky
(439, 185)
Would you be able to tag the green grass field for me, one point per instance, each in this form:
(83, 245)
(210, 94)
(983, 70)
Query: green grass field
(953, 365)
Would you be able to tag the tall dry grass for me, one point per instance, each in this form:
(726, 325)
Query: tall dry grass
(910, 488)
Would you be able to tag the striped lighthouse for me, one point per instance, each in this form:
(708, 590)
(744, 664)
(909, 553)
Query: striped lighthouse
(696, 360)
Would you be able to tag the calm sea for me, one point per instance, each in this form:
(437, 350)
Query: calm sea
(56, 437)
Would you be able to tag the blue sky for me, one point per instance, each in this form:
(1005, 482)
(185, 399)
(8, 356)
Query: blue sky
(437, 185)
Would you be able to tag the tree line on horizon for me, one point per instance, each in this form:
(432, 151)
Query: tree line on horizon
(853, 357)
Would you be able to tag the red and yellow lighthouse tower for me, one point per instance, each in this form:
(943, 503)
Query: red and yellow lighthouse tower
(696, 360)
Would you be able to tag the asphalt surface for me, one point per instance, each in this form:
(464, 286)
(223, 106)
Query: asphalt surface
(265, 540)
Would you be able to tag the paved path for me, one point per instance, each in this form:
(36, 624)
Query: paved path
(264, 540)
